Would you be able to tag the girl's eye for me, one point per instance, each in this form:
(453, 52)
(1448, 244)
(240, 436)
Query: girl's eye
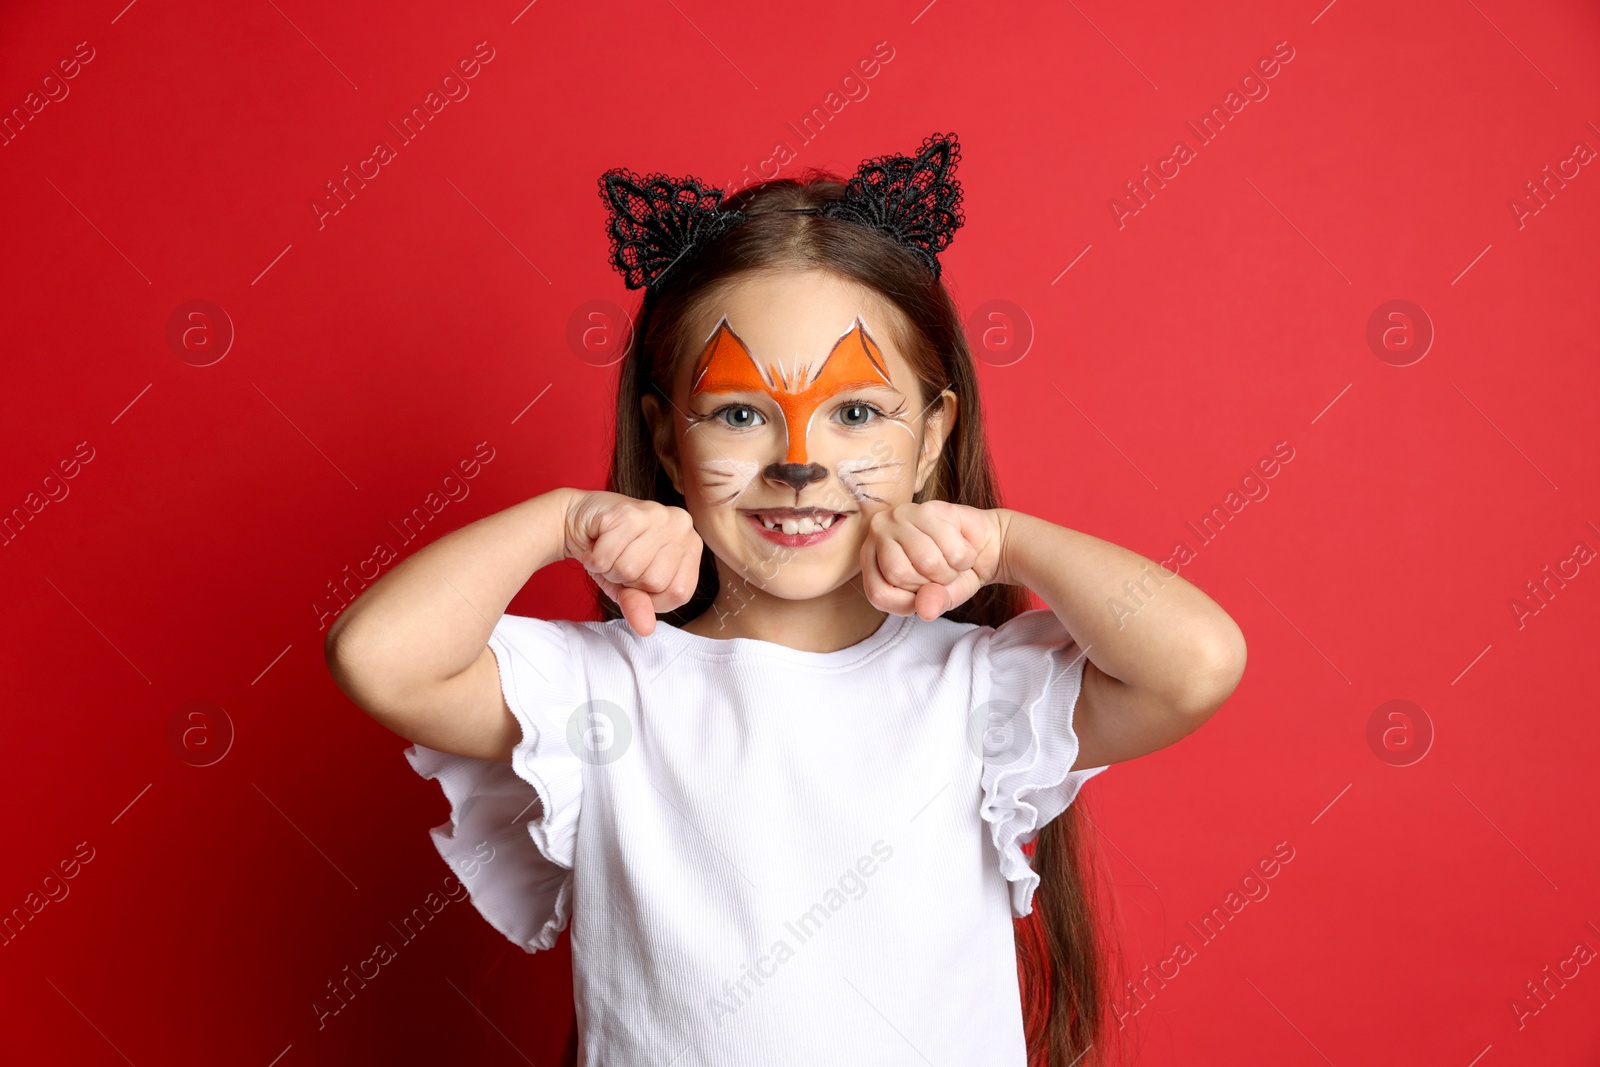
(739, 416)
(858, 413)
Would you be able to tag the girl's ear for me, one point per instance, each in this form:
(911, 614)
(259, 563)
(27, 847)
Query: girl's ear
(937, 425)
(662, 438)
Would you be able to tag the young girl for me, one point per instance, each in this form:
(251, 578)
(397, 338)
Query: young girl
(783, 791)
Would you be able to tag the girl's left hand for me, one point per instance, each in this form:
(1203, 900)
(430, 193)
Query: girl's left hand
(927, 558)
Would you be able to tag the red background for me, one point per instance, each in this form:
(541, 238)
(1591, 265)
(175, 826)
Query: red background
(371, 354)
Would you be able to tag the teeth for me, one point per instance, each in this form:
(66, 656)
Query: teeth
(805, 524)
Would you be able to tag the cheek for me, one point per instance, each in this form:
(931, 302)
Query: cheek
(873, 468)
(716, 475)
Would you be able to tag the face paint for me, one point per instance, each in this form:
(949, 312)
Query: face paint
(726, 366)
(726, 479)
(794, 422)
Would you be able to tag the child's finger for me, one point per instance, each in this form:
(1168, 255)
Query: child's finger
(610, 533)
(881, 593)
(634, 558)
(679, 586)
(684, 583)
(634, 605)
(638, 610)
(931, 601)
(953, 529)
(964, 588)
(977, 528)
(934, 599)
(659, 574)
(929, 556)
(896, 567)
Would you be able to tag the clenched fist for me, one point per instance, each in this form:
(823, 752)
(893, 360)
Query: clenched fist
(643, 554)
(927, 558)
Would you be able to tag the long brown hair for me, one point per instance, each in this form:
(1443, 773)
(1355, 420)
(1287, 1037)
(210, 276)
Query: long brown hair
(1061, 948)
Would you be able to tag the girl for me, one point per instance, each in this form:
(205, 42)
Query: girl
(784, 790)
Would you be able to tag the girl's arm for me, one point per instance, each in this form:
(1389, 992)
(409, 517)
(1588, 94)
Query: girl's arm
(1158, 666)
(413, 650)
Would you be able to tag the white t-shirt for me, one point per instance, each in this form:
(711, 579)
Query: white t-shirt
(771, 856)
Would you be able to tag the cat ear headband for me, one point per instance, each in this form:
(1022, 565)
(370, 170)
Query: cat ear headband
(656, 221)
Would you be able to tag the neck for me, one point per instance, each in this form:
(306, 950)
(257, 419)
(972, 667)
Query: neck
(827, 623)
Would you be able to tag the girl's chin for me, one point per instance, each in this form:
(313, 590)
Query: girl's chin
(799, 589)
(796, 573)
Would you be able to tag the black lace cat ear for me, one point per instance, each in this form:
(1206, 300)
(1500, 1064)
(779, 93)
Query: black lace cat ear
(657, 220)
(913, 198)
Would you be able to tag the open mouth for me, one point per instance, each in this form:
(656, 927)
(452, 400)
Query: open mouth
(796, 521)
(804, 522)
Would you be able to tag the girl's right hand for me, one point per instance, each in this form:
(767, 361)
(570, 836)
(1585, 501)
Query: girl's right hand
(643, 554)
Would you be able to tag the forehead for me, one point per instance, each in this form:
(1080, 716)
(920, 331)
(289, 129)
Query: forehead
(794, 319)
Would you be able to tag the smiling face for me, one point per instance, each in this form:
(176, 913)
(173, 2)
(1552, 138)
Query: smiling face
(793, 421)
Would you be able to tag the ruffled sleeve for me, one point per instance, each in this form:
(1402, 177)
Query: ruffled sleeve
(1028, 676)
(513, 827)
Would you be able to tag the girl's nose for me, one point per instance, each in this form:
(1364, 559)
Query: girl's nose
(795, 475)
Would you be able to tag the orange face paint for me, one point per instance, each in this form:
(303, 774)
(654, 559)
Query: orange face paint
(725, 365)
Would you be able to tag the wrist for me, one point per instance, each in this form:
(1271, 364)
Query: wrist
(561, 503)
(1007, 571)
